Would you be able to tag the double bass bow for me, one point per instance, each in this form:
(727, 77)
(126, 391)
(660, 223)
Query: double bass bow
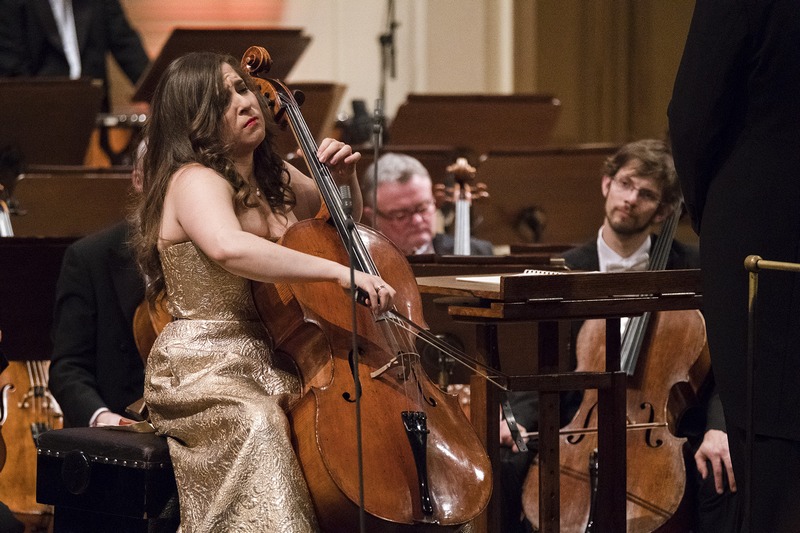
(424, 468)
(665, 356)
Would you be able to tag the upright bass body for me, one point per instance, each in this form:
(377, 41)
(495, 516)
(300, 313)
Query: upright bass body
(312, 325)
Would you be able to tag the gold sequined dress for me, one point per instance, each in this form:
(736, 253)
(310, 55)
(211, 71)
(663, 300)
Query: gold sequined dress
(211, 388)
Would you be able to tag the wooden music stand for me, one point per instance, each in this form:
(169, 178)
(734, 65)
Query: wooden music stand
(561, 183)
(285, 45)
(30, 268)
(69, 201)
(477, 122)
(550, 301)
(49, 120)
(513, 338)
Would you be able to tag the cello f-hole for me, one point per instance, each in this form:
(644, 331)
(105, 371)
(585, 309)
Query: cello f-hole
(576, 439)
(352, 398)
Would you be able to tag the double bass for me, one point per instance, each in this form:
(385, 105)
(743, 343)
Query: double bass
(665, 356)
(418, 464)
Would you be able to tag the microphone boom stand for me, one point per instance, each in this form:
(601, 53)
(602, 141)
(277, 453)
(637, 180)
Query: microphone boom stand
(386, 41)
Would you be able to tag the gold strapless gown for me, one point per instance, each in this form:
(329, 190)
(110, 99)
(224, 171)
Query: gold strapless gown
(211, 388)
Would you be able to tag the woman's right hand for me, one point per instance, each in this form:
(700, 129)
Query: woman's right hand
(380, 295)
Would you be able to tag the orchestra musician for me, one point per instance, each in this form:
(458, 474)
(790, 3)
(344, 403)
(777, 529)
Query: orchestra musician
(95, 369)
(68, 38)
(640, 190)
(406, 210)
(216, 199)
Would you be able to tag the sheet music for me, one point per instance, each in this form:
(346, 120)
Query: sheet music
(496, 279)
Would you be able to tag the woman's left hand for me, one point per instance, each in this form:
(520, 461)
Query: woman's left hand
(340, 159)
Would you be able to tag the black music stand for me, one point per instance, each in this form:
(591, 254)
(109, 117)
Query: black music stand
(48, 120)
(285, 45)
(30, 268)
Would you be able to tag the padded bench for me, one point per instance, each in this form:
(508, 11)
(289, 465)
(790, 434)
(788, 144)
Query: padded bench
(101, 479)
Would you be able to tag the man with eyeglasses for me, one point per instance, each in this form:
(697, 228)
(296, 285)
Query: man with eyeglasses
(641, 190)
(406, 210)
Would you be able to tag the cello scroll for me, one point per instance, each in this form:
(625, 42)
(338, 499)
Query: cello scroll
(462, 194)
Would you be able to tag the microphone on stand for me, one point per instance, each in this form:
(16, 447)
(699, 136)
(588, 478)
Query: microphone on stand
(387, 40)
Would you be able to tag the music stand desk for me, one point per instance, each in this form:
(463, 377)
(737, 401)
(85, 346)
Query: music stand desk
(49, 120)
(285, 45)
(70, 201)
(551, 301)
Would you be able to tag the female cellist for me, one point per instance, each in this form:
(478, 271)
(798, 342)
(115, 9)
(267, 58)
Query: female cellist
(215, 198)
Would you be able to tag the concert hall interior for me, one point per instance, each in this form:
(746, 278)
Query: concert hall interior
(537, 132)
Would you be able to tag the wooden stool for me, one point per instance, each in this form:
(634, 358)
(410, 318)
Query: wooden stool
(107, 480)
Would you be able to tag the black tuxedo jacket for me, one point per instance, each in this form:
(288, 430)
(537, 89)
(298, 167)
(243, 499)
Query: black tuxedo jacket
(95, 362)
(30, 44)
(585, 257)
(444, 244)
(733, 122)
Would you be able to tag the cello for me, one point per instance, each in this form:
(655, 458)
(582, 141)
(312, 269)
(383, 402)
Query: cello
(29, 410)
(419, 466)
(665, 356)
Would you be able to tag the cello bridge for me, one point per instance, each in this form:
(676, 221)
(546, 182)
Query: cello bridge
(400, 359)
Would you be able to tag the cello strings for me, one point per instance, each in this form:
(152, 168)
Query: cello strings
(331, 195)
(490, 374)
(633, 337)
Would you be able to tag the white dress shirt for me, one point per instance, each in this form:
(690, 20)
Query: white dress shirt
(65, 20)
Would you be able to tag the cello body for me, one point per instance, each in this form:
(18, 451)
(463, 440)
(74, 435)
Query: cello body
(29, 409)
(311, 325)
(672, 367)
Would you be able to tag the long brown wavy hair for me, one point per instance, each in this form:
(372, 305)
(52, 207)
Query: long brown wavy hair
(186, 125)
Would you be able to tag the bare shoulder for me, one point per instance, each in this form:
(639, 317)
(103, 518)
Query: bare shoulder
(194, 179)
